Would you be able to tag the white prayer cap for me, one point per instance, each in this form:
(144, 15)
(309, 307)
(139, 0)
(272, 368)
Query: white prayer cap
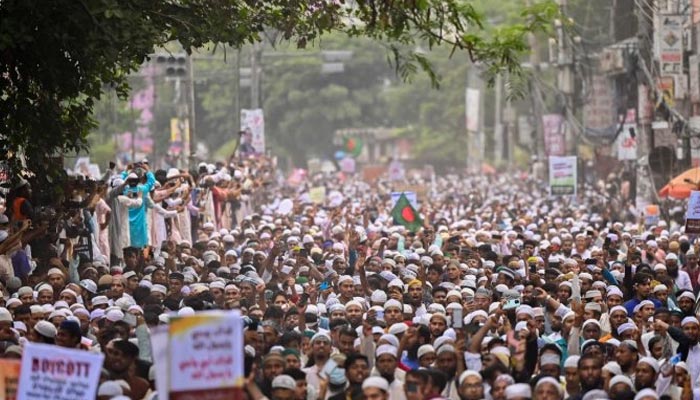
(519, 390)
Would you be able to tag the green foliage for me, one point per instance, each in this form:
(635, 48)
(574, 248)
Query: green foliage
(56, 58)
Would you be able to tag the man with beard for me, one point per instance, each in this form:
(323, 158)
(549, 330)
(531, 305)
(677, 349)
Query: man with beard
(527, 297)
(680, 277)
(438, 325)
(346, 289)
(646, 373)
(686, 303)
(320, 352)
(415, 295)
(573, 383)
(272, 366)
(393, 312)
(120, 361)
(482, 299)
(346, 340)
(590, 369)
(414, 338)
(385, 365)
(447, 364)
(356, 371)
(687, 338)
(691, 267)
(626, 356)
(353, 313)
(471, 386)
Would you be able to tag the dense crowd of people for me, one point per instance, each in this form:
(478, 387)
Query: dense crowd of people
(504, 293)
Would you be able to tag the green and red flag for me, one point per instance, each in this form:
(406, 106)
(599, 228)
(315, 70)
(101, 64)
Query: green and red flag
(353, 146)
(404, 214)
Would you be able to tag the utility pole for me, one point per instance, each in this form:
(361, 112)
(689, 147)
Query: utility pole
(565, 65)
(255, 54)
(510, 126)
(498, 139)
(536, 98)
(237, 94)
(192, 113)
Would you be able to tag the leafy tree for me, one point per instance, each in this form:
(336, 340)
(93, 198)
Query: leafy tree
(57, 57)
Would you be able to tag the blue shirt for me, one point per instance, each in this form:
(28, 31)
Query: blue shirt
(631, 304)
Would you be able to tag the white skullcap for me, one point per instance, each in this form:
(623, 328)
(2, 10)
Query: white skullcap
(425, 349)
(689, 320)
(466, 374)
(651, 362)
(621, 379)
(613, 368)
(571, 362)
(552, 381)
(689, 295)
(397, 329)
(386, 349)
(393, 303)
(518, 390)
(376, 382)
(393, 340)
(646, 393)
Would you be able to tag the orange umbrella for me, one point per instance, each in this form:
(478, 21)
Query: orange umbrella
(681, 186)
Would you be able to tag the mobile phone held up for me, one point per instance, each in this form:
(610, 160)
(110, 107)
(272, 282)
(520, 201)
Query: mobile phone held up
(511, 304)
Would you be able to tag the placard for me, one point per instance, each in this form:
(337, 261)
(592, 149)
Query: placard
(206, 355)
(9, 371)
(318, 194)
(651, 215)
(692, 216)
(253, 124)
(562, 176)
(55, 373)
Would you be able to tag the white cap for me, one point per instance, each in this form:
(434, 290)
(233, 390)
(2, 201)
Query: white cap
(518, 390)
(376, 382)
(284, 382)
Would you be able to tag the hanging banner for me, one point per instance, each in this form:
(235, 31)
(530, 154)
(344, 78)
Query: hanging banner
(9, 378)
(57, 373)
(562, 176)
(205, 355)
(645, 189)
(599, 109)
(179, 135)
(472, 109)
(554, 127)
(626, 142)
(668, 39)
(253, 126)
(692, 216)
(694, 78)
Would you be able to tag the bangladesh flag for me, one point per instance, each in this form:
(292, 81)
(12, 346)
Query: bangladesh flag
(404, 214)
(353, 146)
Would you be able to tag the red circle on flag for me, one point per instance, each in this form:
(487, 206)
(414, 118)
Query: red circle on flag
(407, 214)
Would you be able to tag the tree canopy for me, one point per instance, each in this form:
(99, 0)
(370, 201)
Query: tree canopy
(58, 58)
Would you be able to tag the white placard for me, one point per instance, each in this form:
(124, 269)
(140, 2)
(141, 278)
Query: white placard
(55, 373)
(206, 354)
